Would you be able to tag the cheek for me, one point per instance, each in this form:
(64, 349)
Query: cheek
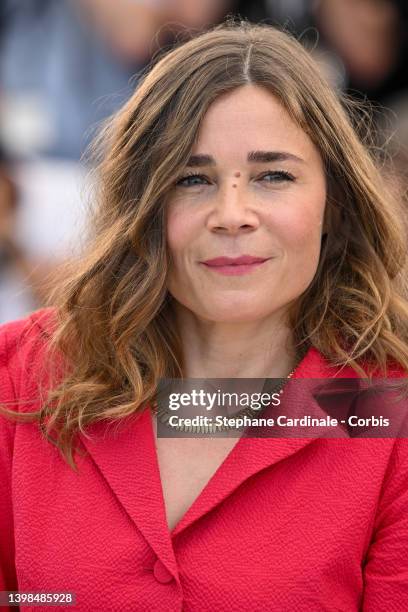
(181, 230)
(305, 235)
(300, 233)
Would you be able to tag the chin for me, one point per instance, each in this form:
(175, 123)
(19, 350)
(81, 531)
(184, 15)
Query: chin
(235, 313)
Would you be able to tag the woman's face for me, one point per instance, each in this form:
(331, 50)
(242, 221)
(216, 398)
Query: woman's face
(253, 192)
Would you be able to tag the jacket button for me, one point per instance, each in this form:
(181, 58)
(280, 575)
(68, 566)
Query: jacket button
(161, 573)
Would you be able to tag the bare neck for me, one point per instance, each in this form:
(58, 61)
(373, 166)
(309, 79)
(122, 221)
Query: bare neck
(256, 349)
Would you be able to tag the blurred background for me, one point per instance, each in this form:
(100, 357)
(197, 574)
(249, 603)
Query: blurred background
(65, 65)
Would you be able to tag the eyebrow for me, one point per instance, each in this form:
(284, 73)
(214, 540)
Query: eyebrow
(260, 157)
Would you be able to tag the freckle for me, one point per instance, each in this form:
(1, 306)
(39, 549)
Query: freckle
(237, 174)
(234, 185)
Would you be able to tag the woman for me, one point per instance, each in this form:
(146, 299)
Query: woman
(242, 231)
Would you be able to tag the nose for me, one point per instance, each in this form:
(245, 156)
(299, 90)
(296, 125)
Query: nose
(232, 211)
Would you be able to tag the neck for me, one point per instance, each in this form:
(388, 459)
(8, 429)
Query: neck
(256, 349)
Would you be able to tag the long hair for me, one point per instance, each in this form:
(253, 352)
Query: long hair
(114, 324)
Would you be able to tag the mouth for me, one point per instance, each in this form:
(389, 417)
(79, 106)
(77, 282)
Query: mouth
(235, 266)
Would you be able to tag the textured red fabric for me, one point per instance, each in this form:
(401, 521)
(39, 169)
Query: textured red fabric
(284, 524)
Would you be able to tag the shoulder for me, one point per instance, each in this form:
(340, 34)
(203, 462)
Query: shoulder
(22, 347)
(39, 321)
(36, 323)
(316, 365)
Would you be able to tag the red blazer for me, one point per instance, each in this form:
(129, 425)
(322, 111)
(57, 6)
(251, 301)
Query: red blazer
(284, 524)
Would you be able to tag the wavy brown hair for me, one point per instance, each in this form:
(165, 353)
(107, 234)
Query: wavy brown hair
(114, 325)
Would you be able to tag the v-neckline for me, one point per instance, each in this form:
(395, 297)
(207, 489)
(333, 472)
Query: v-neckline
(128, 463)
(208, 484)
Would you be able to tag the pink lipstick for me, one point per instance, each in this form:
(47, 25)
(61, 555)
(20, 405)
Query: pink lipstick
(234, 266)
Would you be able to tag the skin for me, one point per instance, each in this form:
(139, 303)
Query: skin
(365, 34)
(236, 326)
(135, 30)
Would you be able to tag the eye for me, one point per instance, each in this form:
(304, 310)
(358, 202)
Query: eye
(191, 180)
(277, 176)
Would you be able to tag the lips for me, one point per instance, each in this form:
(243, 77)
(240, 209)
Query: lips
(243, 260)
(234, 266)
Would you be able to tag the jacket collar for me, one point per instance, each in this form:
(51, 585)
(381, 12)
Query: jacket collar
(125, 455)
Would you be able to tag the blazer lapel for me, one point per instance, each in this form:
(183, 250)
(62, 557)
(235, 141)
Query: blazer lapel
(126, 457)
(251, 455)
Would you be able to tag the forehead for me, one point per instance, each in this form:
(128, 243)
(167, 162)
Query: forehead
(250, 118)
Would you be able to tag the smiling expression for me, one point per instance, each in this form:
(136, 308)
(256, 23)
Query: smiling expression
(245, 217)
